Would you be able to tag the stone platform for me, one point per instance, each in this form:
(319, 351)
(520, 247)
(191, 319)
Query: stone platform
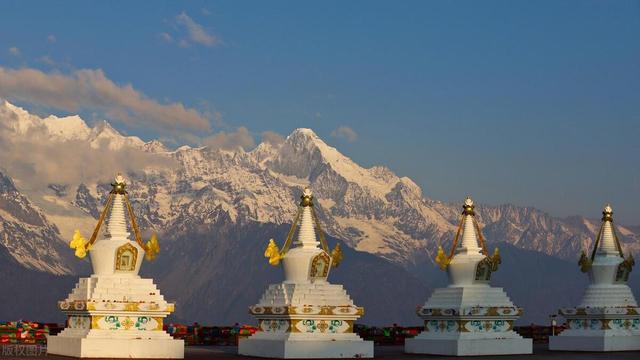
(308, 347)
(107, 348)
(540, 352)
(601, 343)
(468, 347)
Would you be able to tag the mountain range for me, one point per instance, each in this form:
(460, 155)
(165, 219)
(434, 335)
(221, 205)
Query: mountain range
(215, 208)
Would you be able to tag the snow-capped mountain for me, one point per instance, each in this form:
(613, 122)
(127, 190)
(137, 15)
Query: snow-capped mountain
(372, 210)
(215, 209)
(61, 129)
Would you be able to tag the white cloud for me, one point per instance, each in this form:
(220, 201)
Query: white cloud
(91, 90)
(166, 37)
(51, 38)
(346, 133)
(230, 140)
(14, 51)
(272, 137)
(195, 32)
(35, 159)
(47, 60)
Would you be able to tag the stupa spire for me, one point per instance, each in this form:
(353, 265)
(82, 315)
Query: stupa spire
(608, 244)
(117, 225)
(118, 203)
(309, 228)
(306, 233)
(469, 241)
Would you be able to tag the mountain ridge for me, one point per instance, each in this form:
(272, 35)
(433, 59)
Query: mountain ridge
(371, 209)
(206, 202)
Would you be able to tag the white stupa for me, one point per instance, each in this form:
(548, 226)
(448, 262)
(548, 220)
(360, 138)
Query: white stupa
(608, 319)
(115, 313)
(469, 317)
(305, 316)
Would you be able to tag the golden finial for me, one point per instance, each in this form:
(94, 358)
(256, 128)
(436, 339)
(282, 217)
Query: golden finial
(468, 206)
(152, 248)
(442, 259)
(336, 256)
(273, 253)
(607, 213)
(119, 185)
(307, 197)
(79, 243)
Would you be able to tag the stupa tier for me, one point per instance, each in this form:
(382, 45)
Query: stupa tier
(115, 313)
(305, 316)
(469, 317)
(608, 318)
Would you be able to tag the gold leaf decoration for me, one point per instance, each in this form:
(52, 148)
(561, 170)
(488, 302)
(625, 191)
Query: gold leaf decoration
(152, 248)
(584, 262)
(79, 243)
(495, 260)
(273, 253)
(442, 259)
(336, 256)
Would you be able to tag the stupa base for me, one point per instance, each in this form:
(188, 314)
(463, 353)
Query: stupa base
(78, 347)
(594, 343)
(468, 347)
(306, 348)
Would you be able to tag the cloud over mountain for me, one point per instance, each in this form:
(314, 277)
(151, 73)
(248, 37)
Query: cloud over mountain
(92, 90)
(346, 133)
(230, 140)
(36, 151)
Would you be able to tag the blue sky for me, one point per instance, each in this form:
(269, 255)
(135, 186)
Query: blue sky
(526, 102)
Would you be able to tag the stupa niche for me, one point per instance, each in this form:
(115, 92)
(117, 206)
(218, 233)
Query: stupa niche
(469, 317)
(115, 313)
(305, 316)
(608, 318)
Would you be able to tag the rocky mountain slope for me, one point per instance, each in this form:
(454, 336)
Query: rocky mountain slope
(26, 233)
